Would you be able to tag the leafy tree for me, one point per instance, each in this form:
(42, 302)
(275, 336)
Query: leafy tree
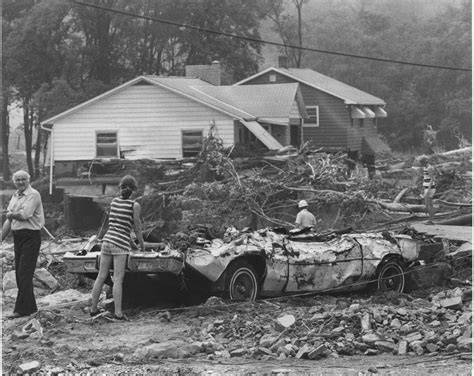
(290, 29)
(33, 55)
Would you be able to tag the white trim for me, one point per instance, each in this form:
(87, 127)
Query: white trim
(316, 107)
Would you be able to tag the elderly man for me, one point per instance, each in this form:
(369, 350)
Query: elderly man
(25, 218)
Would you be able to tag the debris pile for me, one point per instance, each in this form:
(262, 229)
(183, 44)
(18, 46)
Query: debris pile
(440, 324)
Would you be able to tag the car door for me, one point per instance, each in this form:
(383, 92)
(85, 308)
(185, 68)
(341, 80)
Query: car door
(323, 266)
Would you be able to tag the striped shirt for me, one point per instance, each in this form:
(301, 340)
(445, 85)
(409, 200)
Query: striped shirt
(120, 223)
(427, 171)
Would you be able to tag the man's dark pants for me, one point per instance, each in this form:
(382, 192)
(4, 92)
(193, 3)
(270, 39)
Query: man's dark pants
(27, 244)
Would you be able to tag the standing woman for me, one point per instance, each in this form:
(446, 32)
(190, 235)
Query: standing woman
(124, 215)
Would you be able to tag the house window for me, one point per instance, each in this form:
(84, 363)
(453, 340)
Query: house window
(361, 123)
(273, 78)
(106, 144)
(313, 116)
(192, 143)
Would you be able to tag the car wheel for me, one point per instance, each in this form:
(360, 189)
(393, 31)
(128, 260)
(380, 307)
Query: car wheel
(391, 277)
(241, 282)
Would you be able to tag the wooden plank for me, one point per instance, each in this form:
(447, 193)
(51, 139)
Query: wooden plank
(461, 233)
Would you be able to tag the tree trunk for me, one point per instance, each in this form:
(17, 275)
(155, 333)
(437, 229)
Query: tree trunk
(5, 139)
(28, 130)
(37, 152)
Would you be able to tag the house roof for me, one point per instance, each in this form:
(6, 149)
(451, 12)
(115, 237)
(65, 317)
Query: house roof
(329, 85)
(178, 85)
(262, 101)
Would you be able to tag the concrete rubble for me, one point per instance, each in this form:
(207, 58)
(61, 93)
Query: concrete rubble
(414, 327)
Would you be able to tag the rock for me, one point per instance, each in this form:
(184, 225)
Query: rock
(360, 346)
(373, 370)
(396, 323)
(303, 351)
(365, 322)
(214, 301)
(431, 347)
(29, 367)
(277, 344)
(386, 346)
(11, 293)
(338, 330)
(417, 347)
(9, 281)
(20, 335)
(465, 340)
(465, 318)
(402, 347)
(318, 352)
(238, 352)
(435, 323)
(377, 315)
(315, 309)
(171, 349)
(318, 316)
(284, 322)
(264, 350)
(402, 311)
(354, 307)
(267, 340)
(342, 303)
(46, 278)
(452, 303)
(224, 354)
(451, 348)
(371, 352)
(416, 336)
(65, 296)
(370, 338)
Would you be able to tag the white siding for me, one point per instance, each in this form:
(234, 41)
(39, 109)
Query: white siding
(148, 119)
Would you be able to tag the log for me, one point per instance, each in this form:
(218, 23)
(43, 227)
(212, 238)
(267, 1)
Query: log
(462, 204)
(400, 195)
(467, 150)
(400, 207)
(461, 220)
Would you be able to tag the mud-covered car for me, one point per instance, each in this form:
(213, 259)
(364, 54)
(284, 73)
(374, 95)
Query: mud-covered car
(271, 262)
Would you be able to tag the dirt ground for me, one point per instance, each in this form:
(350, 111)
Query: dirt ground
(72, 342)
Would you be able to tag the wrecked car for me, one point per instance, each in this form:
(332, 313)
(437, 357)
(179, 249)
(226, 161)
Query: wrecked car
(270, 262)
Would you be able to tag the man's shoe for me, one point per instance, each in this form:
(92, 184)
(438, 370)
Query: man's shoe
(16, 315)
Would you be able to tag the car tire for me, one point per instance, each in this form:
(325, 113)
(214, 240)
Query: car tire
(391, 277)
(242, 282)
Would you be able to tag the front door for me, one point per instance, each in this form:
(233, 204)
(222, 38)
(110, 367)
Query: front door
(295, 135)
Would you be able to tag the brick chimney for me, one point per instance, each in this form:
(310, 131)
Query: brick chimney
(282, 61)
(209, 73)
